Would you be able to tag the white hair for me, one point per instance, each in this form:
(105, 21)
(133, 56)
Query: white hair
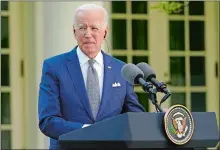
(90, 7)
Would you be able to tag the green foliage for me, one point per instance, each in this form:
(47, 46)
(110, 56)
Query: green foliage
(169, 7)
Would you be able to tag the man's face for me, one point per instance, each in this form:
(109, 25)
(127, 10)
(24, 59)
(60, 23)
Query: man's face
(90, 31)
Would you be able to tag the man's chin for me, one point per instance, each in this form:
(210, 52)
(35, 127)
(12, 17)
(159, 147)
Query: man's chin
(90, 51)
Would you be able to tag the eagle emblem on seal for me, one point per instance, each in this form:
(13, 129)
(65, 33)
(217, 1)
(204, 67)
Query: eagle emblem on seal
(179, 124)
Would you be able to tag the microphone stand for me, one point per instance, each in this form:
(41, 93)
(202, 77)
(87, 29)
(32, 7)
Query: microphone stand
(148, 87)
(153, 98)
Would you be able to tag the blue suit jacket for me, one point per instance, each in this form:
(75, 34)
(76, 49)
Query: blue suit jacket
(63, 102)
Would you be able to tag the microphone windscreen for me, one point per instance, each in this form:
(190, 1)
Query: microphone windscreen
(147, 70)
(130, 72)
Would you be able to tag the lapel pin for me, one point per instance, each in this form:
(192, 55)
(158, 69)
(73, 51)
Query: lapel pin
(109, 67)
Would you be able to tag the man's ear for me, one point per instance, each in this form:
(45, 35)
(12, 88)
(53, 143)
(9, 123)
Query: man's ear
(105, 34)
(106, 31)
(74, 32)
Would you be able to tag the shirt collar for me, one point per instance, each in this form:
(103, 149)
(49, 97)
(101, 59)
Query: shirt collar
(83, 58)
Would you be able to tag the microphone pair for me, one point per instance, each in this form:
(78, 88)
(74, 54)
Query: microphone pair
(142, 74)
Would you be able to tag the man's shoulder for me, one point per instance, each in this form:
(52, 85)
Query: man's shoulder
(59, 58)
(116, 61)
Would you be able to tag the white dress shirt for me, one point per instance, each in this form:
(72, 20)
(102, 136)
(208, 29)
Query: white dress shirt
(98, 65)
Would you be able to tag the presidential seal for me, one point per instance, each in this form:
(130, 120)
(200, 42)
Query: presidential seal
(179, 125)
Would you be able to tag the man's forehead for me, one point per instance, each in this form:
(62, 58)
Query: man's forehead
(89, 23)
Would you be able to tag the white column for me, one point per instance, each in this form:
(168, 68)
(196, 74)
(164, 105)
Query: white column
(30, 96)
(158, 25)
(17, 107)
(211, 26)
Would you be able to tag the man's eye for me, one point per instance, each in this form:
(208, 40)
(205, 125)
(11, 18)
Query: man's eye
(94, 28)
(82, 28)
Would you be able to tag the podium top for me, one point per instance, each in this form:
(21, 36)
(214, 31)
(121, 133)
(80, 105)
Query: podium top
(144, 130)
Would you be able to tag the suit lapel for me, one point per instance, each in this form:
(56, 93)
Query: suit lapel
(107, 84)
(78, 81)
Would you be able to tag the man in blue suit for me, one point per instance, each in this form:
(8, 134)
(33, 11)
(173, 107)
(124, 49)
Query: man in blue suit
(75, 93)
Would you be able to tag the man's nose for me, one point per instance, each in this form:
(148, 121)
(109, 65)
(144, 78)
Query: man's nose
(88, 33)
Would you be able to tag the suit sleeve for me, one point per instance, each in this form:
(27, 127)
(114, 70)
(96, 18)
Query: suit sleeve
(51, 122)
(131, 103)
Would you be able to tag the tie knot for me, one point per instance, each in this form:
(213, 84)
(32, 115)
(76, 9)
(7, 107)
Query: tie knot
(91, 62)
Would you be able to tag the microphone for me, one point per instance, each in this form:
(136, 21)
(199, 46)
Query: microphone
(134, 75)
(150, 75)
